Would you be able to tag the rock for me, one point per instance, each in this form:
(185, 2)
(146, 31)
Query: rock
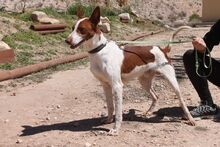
(47, 118)
(38, 15)
(47, 20)
(166, 118)
(104, 19)
(124, 17)
(58, 106)
(6, 121)
(105, 27)
(6, 53)
(19, 141)
(3, 45)
(43, 18)
(145, 130)
(103, 114)
(13, 94)
(87, 144)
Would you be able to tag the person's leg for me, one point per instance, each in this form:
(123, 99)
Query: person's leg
(200, 84)
(214, 78)
(207, 106)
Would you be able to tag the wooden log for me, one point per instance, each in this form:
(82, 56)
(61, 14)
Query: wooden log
(41, 27)
(51, 31)
(23, 71)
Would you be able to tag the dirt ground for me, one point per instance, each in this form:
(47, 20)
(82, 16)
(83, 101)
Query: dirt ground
(66, 109)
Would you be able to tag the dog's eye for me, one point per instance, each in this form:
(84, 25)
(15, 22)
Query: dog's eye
(82, 31)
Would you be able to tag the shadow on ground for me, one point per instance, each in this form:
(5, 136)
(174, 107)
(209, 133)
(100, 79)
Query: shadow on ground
(94, 124)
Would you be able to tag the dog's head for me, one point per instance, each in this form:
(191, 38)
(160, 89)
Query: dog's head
(85, 28)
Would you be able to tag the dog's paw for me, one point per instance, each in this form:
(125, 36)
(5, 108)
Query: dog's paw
(192, 122)
(113, 132)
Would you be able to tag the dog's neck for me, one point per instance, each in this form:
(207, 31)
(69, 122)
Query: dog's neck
(95, 41)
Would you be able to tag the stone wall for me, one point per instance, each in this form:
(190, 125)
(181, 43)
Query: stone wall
(166, 11)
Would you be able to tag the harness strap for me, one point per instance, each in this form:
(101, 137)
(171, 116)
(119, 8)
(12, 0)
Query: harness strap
(160, 65)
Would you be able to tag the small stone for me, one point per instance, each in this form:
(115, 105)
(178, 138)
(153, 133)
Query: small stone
(137, 101)
(55, 118)
(47, 118)
(200, 128)
(87, 144)
(104, 19)
(58, 106)
(19, 141)
(6, 121)
(105, 27)
(145, 130)
(43, 18)
(3, 45)
(13, 94)
(166, 118)
(153, 136)
(103, 114)
(125, 17)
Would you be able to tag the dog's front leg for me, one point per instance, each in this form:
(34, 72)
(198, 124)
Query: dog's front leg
(109, 100)
(117, 90)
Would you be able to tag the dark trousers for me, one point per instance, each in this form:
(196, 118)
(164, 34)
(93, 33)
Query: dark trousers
(201, 84)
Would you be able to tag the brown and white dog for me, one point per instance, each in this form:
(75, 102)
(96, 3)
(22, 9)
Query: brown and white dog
(112, 65)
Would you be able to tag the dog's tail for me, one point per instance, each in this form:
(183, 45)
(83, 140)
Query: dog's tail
(168, 47)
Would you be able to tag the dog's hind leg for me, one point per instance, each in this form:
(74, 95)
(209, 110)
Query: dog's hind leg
(109, 100)
(146, 82)
(169, 73)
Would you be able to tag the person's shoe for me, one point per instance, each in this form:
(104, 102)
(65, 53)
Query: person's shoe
(204, 111)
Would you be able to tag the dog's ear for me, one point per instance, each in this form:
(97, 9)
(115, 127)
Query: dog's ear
(95, 17)
(80, 12)
(166, 49)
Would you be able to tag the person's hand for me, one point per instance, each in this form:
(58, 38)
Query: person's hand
(199, 44)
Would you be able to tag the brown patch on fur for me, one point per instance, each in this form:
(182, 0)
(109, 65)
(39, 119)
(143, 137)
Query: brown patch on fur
(165, 51)
(87, 29)
(136, 56)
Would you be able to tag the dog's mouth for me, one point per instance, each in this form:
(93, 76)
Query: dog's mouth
(76, 45)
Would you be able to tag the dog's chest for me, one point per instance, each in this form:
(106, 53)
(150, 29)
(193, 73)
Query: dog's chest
(105, 66)
(98, 71)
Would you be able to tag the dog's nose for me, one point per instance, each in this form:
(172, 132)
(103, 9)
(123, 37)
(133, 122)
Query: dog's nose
(68, 41)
